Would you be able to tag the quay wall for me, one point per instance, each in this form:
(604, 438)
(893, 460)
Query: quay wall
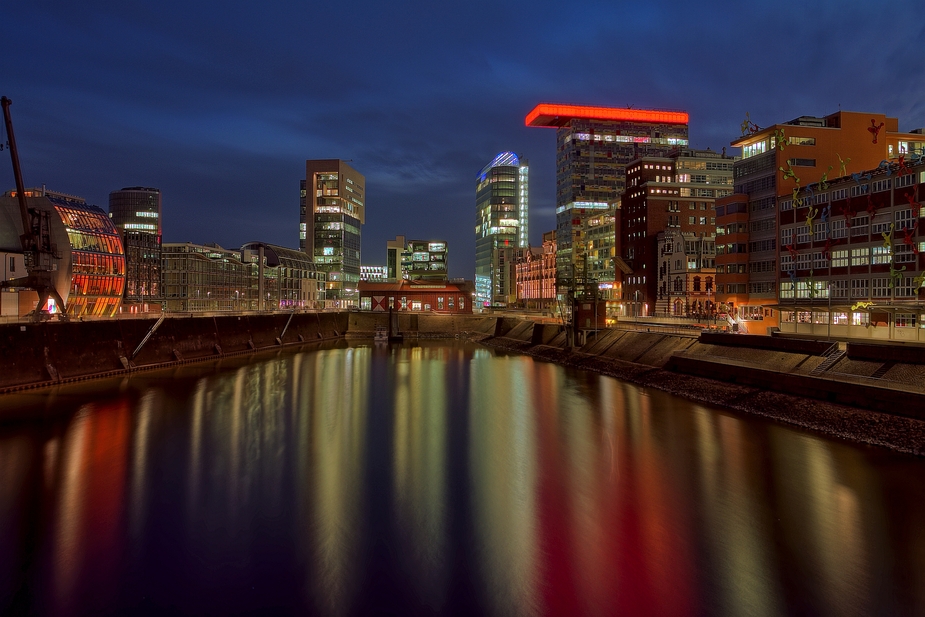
(56, 352)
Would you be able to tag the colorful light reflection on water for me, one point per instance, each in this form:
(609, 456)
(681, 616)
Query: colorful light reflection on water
(440, 478)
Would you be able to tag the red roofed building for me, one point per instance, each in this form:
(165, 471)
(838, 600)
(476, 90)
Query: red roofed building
(413, 296)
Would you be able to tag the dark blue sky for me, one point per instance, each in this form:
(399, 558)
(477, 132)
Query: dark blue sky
(218, 104)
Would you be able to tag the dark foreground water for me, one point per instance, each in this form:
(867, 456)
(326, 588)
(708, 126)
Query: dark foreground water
(440, 479)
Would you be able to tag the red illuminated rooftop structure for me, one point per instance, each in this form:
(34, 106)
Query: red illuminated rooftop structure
(553, 115)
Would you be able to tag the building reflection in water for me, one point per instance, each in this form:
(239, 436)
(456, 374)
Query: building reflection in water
(437, 478)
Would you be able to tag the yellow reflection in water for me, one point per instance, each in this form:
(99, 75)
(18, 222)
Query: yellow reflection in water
(503, 468)
(337, 411)
(420, 448)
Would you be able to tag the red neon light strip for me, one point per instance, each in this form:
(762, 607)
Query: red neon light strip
(543, 113)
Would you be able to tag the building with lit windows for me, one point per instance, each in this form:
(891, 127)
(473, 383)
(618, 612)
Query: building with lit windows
(332, 212)
(417, 296)
(777, 161)
(281, 278)
(424, 260)
(258, 277)
(373, 274)
(854, 262)
(90, 268)
(200, 278)
(501, 212)
(593, 147)
(136, 213)
(687, 275)
(675, 193)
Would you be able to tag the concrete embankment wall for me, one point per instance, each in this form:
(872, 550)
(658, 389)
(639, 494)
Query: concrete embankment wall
(869, 377)
(38, 354)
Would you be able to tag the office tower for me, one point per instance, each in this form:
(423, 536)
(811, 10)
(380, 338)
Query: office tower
(333, 210)
(777, 160)
(593, 147)
(672, 195)
(501, 210)
(136, 213)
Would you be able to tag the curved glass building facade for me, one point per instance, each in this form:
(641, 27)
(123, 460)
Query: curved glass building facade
(90, 270)
(97, 259)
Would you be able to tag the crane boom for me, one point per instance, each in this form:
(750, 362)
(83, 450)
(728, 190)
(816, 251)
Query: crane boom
(38, 249)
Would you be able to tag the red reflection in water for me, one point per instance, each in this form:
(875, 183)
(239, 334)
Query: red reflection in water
(90, 498)
(610, 540)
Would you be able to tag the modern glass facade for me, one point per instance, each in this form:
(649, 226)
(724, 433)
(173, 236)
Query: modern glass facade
(136, 212)
(332, 212)
(501, 212)
(97, 259)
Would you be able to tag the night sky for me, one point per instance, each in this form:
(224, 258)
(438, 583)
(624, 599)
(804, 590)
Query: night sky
(219, 104)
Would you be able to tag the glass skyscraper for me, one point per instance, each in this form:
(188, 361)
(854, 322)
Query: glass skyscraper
(501, 211)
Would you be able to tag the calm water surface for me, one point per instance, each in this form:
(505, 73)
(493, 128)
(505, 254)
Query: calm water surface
(439, 479)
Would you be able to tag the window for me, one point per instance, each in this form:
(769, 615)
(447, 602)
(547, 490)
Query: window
(904, 320)
(691, 219)
(839, 258)
(439, 303)
(860, 189)
(860, 257)
(859, 225)
(860, 319)
(801, 141)
(880, 255)
(859, 288)
(839, 194)
(703, 220)
(904, 219)
(903, 253)
(786, 263)
(462, 302)
(840, 319)
(905, 288)
(785, 205)
(786, 236)
(803, 261)
(818, 261)
(882, 185)
(838, 228)
(802, 162)
(840, 289)
(881, 288)
(819, 232)
(802, 234)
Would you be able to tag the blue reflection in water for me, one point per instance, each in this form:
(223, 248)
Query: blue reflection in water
(440, 478)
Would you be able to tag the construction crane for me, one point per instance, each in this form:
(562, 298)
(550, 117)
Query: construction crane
(39, 252)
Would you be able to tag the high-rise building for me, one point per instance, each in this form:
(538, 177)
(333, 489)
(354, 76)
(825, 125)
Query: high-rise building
(333, 210)
(136, 213)
(593, 147)
(501, 211)
(777, 162)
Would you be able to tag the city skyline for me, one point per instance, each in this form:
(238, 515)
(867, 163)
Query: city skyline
(221, 112)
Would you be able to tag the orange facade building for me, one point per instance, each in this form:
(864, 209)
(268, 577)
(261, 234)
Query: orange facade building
(776, 161)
